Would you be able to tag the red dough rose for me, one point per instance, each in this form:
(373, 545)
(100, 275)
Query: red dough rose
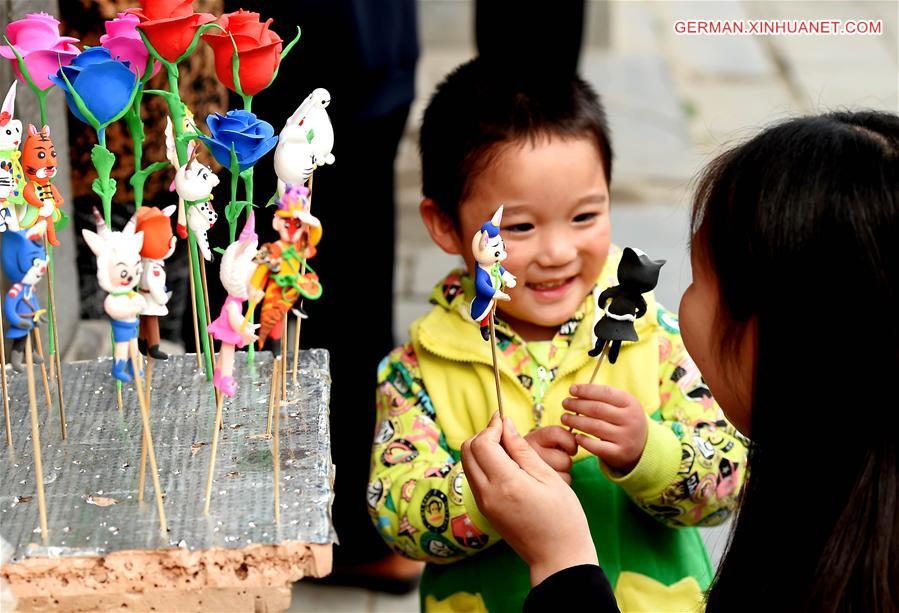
(258, 48)
(170, 25)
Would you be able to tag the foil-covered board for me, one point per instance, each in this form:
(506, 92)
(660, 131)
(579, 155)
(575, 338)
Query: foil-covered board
(91, 479)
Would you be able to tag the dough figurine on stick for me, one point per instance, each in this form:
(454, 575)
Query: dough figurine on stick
(159, 245)
(230, 327)
(41, 196)
(12, 177)
(623, 304)
(24, 264)
(119, 268)
(490, 279)
(305, 142)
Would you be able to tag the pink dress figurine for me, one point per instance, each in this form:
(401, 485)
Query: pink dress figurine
(230, 327)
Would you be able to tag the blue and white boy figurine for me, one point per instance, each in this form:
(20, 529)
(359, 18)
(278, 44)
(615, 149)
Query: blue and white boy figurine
(490, 278)
(24, 264)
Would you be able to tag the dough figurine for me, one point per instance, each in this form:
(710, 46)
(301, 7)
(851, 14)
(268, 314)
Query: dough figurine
(194, 183)
(159, 245)
(42, 198)
(24, 264)
(12, 178)
(230, 327)
(305, 142)
(119, 268)
(283, 271)
(637, 274)
(490, 277)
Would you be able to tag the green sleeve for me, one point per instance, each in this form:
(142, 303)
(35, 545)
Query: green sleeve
(694, 462)
(418, 497)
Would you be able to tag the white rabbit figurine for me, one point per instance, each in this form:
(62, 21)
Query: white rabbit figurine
(119, 267)
(305, 142)
(13, 185)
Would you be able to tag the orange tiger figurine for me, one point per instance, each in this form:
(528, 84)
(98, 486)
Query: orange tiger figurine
(42, 199)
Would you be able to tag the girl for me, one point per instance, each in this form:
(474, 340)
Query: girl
(796, 264)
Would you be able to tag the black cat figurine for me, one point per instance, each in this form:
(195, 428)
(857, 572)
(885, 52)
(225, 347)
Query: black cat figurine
(637, 274)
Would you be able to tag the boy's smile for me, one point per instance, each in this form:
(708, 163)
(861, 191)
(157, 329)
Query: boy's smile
(555, 226)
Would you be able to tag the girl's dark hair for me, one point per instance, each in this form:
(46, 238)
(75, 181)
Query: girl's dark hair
(800, 226)
(482, 104)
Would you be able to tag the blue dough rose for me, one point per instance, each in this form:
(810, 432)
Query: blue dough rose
(105, 85)
(250, 136)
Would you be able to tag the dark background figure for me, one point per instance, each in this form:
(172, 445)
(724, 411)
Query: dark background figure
(364, 53)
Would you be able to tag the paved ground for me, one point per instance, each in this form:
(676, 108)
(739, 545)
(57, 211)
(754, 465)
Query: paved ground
(673, 101)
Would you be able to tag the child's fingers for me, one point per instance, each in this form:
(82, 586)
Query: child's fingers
(595, 427)
(477, 480)
(602, 393)
(559, 438)
(557, 459)
(595, 409)
(601, 449)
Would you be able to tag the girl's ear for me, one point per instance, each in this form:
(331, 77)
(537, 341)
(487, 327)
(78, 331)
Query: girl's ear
(441, 228)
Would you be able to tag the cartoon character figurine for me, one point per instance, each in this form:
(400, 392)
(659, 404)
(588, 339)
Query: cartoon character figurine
(159, 245)
(281, 264)
(12, 178)
(305, 142)
(119, 268)
(194, 183)
(24, 264)
(42, 198)
(637, 274)
(171, 153)
(230, 327)
(490, 277)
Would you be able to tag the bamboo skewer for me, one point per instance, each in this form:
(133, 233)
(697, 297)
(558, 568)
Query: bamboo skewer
(5, 388)
(145, 417)
(296, 345)
(141, 482)
(51, 293)
(599, 360)
(215, 444)
(40, 352)
(193, 301)
(273, 394)
(276, 459)
(284, 357)
(499, 396)
(36, 441)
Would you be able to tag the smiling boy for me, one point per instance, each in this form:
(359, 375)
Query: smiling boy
(666, 457)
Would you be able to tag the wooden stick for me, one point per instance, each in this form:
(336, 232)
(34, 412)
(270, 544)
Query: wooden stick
(296, 345)
(51, 293)
(5, 388)
(284, 340)
(141, 482)
(599, 360)
(272, 397)
(36, 440)
(40, 352)
(193, 310)
(276, 459)
(118, 396)
(148, 436)
(215, 445)
(499, 396)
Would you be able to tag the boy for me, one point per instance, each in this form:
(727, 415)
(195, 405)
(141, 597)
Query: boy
(666, 458)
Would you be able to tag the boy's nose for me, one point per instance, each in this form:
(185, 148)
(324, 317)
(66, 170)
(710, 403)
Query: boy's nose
(557, 250)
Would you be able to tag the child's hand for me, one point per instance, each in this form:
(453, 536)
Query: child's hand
(614, 417)
(555, 445)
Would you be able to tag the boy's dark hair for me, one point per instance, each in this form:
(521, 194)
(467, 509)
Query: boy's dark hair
(480, 105)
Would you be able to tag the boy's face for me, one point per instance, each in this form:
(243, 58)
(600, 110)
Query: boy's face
(555, 227)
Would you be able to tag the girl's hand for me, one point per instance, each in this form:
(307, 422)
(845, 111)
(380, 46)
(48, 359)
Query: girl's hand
(614, 417)
(526, 501)
(555, 445)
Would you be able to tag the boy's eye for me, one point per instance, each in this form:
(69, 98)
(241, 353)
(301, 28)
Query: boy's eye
(584, 217)
(520, 227)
